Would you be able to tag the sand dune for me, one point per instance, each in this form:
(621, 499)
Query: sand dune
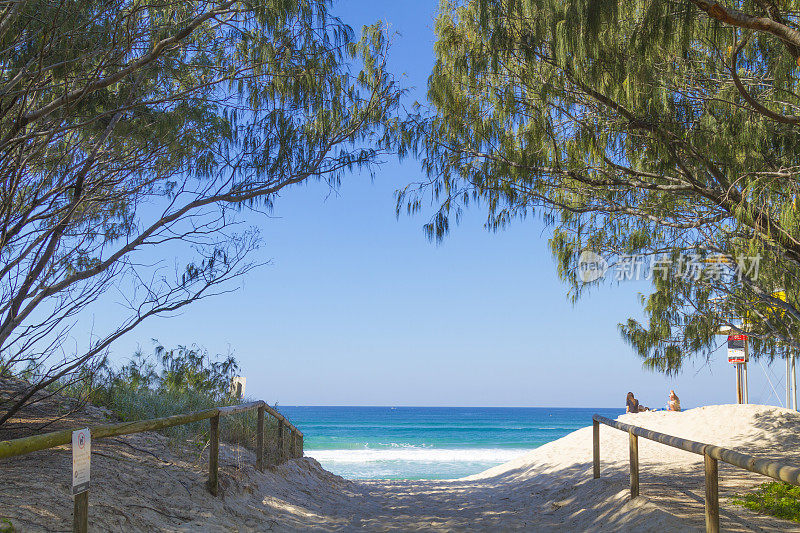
(550, 488)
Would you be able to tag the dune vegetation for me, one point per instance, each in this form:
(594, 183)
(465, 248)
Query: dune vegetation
(774, 498)
(171, 381)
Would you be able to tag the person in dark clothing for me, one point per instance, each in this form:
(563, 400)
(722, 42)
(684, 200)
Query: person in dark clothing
(632, 405)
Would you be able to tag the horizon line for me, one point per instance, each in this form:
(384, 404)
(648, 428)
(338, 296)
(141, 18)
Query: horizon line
(450, 406)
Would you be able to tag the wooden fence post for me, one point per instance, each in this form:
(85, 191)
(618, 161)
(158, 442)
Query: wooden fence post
(281, 443)
(596, 448)
(634, 453)
(260, 440)
(80, 513)
(712, 494)
(301, 445)
(213, 456)
(292, 444)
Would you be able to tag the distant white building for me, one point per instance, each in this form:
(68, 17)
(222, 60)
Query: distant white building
(237, 386)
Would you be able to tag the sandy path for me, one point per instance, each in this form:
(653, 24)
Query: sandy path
(548, 489)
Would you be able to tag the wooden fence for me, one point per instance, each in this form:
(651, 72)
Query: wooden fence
(711, 454)
(25, 445)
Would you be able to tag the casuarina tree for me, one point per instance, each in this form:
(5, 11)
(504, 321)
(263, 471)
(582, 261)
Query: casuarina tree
(661, 136)
(133, 133)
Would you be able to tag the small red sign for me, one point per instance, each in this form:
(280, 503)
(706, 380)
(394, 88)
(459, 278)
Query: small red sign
(737, 348)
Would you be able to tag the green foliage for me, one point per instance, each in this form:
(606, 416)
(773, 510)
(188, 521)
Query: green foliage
(130, 125)
(629, 128)
(140, 404)
(180, 380)
(178, 371)
(774, 498)
(172, 381)
(6, 526)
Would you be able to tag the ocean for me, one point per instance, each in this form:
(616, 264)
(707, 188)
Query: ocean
(429, 442)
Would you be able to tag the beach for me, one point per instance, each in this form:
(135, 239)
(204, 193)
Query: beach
(222, 223)
(550, 488)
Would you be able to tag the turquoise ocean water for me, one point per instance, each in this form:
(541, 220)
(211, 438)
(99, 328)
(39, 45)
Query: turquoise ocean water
(429, 442)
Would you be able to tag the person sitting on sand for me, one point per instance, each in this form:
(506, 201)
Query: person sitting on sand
(632, 405)
(674, 402)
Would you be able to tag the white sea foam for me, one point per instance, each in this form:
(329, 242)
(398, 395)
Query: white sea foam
(411, 454)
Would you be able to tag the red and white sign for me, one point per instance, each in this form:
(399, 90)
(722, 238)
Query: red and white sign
(737, 348)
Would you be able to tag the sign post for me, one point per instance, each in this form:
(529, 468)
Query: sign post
(791, 380)
(743, 367)
(794, 381)
(788, 401)
(738, 355)
(81, 463)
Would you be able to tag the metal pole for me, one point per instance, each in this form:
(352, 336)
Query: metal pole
(744, 369)
(788, 380)
(744, 375)
(794, 382)
(739, 383)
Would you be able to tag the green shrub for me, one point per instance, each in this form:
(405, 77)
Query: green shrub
(170, 382)
(173, 381)
(774, 498)
(141, 404)
(179, 371)
(183, 380)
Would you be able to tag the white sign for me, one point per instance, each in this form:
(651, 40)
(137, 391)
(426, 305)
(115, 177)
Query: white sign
(81, 460)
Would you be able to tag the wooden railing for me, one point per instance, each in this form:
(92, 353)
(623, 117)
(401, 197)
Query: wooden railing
(711, 454)
(25, 445)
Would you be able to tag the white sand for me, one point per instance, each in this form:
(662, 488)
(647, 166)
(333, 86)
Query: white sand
(550, 488)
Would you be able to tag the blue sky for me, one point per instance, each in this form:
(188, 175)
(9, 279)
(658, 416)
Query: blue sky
(358, 308)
